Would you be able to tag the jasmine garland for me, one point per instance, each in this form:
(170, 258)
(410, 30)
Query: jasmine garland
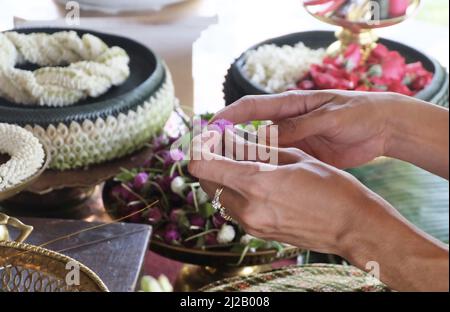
(88, 142)
(26, 155)
(94, 67)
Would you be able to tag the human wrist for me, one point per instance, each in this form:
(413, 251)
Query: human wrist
(361, 241)
(417, 132)
(399, 118)
(407, 259)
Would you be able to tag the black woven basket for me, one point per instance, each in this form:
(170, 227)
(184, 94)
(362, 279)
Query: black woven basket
(238, 85)
(147, 74)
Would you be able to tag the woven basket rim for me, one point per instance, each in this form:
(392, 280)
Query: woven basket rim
(56, 256)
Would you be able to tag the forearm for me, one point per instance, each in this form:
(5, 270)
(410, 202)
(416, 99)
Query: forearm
(418, 132)
(408, 259)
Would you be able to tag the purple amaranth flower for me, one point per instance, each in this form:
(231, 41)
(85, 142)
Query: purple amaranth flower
(171, 157)
(122, 193)
(160, 142)
(211, 239)
(154, 215)
(220, 125)
(203, 123)
(136, 218)
(176, 155)
(119, 192)
(165, 181)
(190, 198)
(197, 220)
(139, 181)
(175, 214)
(217, 220)
(173, 139)
(171, 233)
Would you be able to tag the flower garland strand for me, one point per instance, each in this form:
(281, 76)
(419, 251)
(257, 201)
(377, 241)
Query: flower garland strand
(184, 215)
(94, 67)
(27, 155)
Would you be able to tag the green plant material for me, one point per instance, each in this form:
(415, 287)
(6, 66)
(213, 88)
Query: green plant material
(276, 245)
(418, 195)
(307, 256)
(126, 175)
(202, 234)
(183, 220)
(151, 284)
(207, 116)
(243, 254)
(194, 196)
(256, 243)
(206, 210)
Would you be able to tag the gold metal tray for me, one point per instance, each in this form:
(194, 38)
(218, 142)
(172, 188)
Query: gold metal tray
(28, 268)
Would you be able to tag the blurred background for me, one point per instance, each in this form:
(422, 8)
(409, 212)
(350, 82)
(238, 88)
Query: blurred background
(214, 32)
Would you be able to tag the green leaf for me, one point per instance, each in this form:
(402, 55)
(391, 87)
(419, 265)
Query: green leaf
(126, 175)
(200, 242)
(206, 210)
(257, 124)
(243, 254)
(183, 221)
(418, 195)
(256, 243)
(276, 245)
(207, 116)
(238, 248)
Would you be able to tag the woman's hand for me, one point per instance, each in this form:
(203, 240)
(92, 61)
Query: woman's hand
(312, 205)
(348, 129)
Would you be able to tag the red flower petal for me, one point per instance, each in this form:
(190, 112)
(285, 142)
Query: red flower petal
(398, 7)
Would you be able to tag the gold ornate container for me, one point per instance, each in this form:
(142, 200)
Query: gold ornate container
(28, 268)
(362, 17)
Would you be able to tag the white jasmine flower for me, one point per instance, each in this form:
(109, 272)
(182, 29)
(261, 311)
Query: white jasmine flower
(202, 197)
(26, 155)
(245, 239)
(165, 284)
(94, 67)
(226, 234)
(87, 143)
(178, 185)
(150, 284)
(277, 69)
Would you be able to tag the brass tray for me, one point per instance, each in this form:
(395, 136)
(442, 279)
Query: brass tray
(34, 269)
(366, 24)
(220, 259)
(28, 268)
